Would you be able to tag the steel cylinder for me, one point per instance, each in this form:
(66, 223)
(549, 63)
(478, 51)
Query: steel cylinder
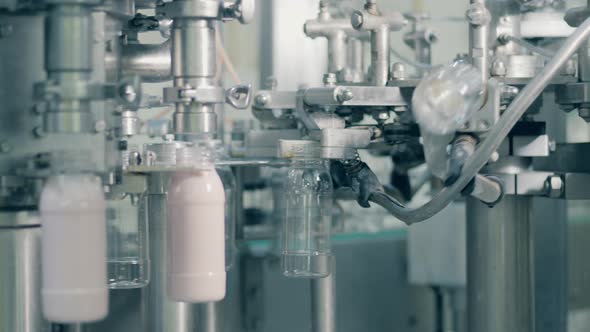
(500, 266)
(69, 38)
(337, 52)
(380, 55)
(159, 314)
(193, 52)
(20, 272)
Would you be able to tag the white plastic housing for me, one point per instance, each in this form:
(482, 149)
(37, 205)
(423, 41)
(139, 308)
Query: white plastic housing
(196, 237)
(74, 263)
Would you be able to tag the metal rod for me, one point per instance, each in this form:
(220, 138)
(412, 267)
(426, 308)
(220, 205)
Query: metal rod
(158, 313)
(479, 44)
(500, 266)
(380, 55)
(323, 303)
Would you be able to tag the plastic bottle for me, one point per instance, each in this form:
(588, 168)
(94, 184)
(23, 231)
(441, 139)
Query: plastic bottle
(447, 97)
(74, 273)
(196, 235)
(128, 247)
(308, 212)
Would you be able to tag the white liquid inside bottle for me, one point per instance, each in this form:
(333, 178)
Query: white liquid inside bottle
(74, 278)
(196, 237)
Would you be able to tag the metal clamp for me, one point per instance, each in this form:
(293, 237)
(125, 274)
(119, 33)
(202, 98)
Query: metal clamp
(211, 95)
(206, 9)
(239, 96)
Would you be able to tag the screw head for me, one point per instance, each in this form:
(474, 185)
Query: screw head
(477, 14)
(554, 186)
(357, 19)
(499, 68)
(261, 100)
(398, 71)
(128, 93)
(344, 95)
(330, 79)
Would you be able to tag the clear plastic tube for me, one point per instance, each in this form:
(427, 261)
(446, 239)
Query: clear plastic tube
(308, 215)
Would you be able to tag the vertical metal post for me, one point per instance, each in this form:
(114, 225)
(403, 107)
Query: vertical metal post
(20, 273)
(500, 266)
(158, 313)
(380, 55)
(479, 31)
(323, 303)
(209, 317)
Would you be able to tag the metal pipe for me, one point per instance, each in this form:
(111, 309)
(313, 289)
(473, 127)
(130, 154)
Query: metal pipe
(209, 317)
(158, 312)
(323, 304)
(151, 62)
(68, 62)
(380, 55)
(20, 272)
(495, 136)
(500, 260)
(194, 64)
(479, 39)
(337, 53)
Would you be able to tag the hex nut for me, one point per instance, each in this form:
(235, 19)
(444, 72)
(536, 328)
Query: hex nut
(554, 186)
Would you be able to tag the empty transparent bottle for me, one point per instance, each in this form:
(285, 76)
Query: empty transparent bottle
(308, 212)
(128, 252)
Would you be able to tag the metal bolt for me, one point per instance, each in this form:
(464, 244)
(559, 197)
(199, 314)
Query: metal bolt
(398, 71)
(330, 79)
(499, 68)
(261, 100)
(357, 20)
(554, 186)
(381, 116)
(38, 132)
(128, 93)
(494, 157)
(509, 92)
(477, 14)
(552, 146)
(344, 95)
(134, 158)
